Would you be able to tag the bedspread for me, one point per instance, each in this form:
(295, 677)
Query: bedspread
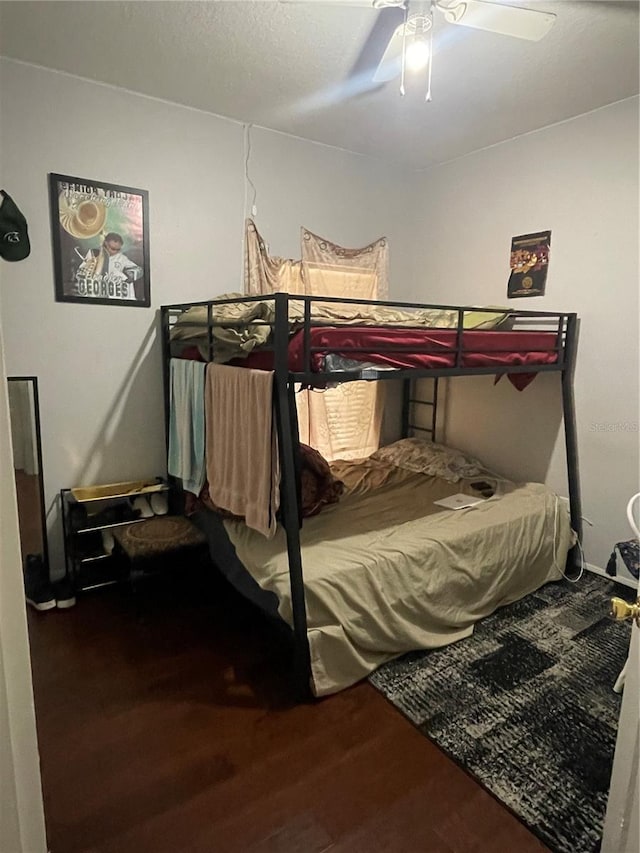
(388, 572)
(247, 325)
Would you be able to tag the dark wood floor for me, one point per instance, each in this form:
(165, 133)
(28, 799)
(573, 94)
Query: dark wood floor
(172, 730)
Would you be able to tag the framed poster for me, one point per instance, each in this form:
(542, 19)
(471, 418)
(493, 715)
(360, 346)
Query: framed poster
(100, 242)
(529, 264)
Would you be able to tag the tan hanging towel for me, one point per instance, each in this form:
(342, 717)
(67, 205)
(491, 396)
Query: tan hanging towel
(243, 465)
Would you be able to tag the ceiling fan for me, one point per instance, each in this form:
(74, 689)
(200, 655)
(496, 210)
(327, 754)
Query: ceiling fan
(401, 40)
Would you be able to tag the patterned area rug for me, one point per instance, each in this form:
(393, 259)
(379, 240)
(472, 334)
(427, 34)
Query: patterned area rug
(525, 705)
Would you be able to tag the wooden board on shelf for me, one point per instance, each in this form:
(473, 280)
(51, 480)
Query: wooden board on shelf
(131, 488)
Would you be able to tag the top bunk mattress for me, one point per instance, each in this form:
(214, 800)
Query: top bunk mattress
(359, 340)
(412, 348)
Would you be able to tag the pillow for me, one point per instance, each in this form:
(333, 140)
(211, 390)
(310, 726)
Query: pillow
(361, 476)
(427, 457)
(319, 486)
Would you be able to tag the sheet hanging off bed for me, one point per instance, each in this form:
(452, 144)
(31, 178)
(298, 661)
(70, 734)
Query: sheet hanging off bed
(408, 348)
(388, 572)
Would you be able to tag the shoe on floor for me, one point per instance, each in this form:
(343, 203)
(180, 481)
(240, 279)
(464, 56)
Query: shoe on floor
(108, 542)
(77, 516)
(159, 503)
(37, 586)
(65, 595)
(88, 545)
(141, 505)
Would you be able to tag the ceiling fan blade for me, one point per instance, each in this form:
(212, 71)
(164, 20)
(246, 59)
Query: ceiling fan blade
(368, 67)
(514, 21)
(390, 65)
(369, 4)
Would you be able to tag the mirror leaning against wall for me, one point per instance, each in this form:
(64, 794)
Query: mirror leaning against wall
(40, 593)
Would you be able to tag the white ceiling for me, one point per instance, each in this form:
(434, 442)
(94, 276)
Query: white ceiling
(284, 67)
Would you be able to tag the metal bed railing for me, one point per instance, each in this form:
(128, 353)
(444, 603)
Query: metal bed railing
(282, 326)
(564, 326)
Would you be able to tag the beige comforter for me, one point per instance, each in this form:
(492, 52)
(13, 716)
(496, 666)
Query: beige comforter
(236, 339)
(387, 572)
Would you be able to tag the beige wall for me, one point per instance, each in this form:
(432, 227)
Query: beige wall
(579, 179)
(99, 367)
(450, 230)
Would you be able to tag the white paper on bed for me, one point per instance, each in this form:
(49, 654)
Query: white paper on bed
(458, 501)
(388, 572)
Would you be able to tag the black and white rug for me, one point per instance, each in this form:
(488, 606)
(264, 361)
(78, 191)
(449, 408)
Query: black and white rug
(526, 706)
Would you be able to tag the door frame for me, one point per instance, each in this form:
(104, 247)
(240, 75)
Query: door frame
(22, 826)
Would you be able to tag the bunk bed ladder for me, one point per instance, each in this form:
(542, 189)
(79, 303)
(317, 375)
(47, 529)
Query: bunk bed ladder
(165, 332)
(410, 398)
(288, 441)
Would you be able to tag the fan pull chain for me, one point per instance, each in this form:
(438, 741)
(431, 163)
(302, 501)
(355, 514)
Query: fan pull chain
(404, 47)
(429, 66)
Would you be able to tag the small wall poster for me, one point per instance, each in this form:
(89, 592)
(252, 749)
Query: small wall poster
(100, 242)
(529, 264)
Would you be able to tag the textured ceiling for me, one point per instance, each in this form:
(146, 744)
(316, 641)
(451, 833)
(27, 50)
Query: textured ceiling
(285, 67)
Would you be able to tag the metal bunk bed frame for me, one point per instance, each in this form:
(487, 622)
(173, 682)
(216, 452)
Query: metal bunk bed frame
(564, 324)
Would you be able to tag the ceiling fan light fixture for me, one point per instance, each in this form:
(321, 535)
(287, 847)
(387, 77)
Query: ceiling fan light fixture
(417, 45)
(401, 41)
(417, 54)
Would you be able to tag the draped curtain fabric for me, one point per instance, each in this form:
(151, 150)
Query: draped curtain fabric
(262, 274)
(330, 270)
(342, 422)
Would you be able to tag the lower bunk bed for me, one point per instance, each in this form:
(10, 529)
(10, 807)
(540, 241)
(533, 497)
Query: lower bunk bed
(385, 570)
(388, 571)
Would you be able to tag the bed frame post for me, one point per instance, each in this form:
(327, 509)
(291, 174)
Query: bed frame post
(166, 367)
(288, 441)
(406, 403)
(571, 438)
(434, 409)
